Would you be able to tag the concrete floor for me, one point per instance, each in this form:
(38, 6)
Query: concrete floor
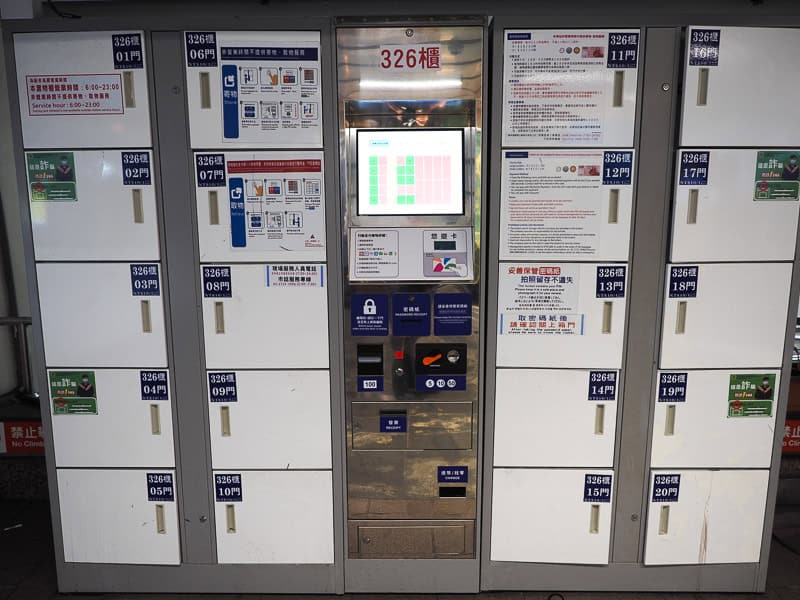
(27, 571)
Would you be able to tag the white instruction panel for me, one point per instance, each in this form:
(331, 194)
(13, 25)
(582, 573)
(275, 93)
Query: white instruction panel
(260, 206)
(566, 205)
(569, 87)
(254, 88)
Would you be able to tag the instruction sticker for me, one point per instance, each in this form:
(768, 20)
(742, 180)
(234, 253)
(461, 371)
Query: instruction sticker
(201, 49)
(683, 282)
(51, 176)
(666, 488)
(452, 314)
(228, 487)
(694, 168)
(777, 175)
(73, 392)
(127, 51)
(452, 474)
(74, 94)
(376, 253)
(596, 488)
(217, 282)
(222, 387)
(369, 314)
(370, 383)
(296, 275)
(603, 385)
(751, 395)
(672, 387)
(154, 385)
(160, 487)
(411, 314)
(136, 168)
(145, 280)
(210, 169)
(704, 47)
(610, 282)
(393, 423)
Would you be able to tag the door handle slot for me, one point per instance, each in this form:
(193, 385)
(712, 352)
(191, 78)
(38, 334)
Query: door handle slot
(669, 421)
(702, 86)
(613, 206)
(663, 520)
(138, 207)
(161, 521)
(225, 420)
(155, 419)
(594, 519)
(147, 322)
(213, 207)
(619, 85)
(128, 90)
(680, 319)
(205, 90)
(599, 419)
(607, 308)
(219, 317)
(230, 518)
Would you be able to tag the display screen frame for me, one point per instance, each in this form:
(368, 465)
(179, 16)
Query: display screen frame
(463, 182)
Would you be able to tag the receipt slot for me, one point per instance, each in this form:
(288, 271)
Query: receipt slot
(410, 110)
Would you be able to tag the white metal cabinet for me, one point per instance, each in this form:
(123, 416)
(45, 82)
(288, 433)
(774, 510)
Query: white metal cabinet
(540, 516)
(748, 64)
(717, 518)
(83, 89)
(283, 517)
(131, 428)
(721, 215)
(90, 316)
(280, 420)
(545, 418)
(107, 516)
(703, 426)
(263, 326)
(590, 306)
(737, 318)
(113, 215)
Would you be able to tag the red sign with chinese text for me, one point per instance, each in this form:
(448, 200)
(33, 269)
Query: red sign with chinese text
(21, 437)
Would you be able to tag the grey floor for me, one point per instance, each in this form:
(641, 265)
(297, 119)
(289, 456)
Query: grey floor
(27, 571)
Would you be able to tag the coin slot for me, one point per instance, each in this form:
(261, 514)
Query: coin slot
(459, 491)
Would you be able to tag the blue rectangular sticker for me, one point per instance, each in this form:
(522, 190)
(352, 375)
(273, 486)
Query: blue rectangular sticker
(452, 314)
(222, 387)
(144, 280)
(518, 36)
(452, 474)
(617, 168)
(683, 282)
(160, 487)
(230, 102)
(127, 51)
(393, 423)
(217, 282)
(623, 50)
(210, 169)
(411, 314)
(154, 385)
(369, 314)
(228, 487)
(672, 387)
(666, 488)
(602, 385)
(596, 488)
(268, 53)
(694, 168)
(704, 47)
(238, 224)
(370, 383)
(517, 154)
(136, 168)
(610, 282)
(201, 49)
(441, 383)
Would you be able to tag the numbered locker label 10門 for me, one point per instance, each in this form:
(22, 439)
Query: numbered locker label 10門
(258, 89)
(83, 89)
(592, 101)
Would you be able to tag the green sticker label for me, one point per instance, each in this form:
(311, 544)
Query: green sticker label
(751, 395)
(51, 176)
(73, 392)
(777, 175)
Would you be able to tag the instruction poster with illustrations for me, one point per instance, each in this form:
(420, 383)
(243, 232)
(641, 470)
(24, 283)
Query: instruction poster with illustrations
(566, 205)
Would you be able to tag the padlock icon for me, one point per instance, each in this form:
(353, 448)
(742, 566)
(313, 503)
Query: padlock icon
(369, 307)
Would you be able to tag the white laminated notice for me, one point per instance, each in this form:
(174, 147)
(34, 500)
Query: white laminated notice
(376, 253)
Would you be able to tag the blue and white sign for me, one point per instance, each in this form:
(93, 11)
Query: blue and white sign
(452, 474)
(518, 35)
(160, 487)
(672, 387)
(136, 168)
(238, 222)
(230, 102)
(694, 167)
(393, 423)
(596, 488)
(623, 50)
(210, 169)
(127, 51)
(666, 488)
(144, 280)
(452, 314)
(154, 385)
(217, 282)
(369, 314)
(441, 383)
(228, 487)
(201, 49)
(704, 47)
(683, 281)
(602, 386)
(617, 167)
(370, 383)
(222, 386)
(411, 314)
(610, 282)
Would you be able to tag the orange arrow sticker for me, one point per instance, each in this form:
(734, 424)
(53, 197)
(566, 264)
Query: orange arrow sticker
(429, 360)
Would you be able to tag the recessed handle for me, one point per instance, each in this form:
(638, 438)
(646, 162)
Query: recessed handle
(230, 518)
(155, 419)
(599, 419)
(161, 521)
(663, 520)
(691, 207)
(219, 317)
(613, 205)
(138, 206)
(205, 90)
(147, 323)
(619, 84)
(225, 420)
(607, 308)
(128, 89)
(680, 319)
(669, 421)
(702, 86)
(213, 207)
(594, 519)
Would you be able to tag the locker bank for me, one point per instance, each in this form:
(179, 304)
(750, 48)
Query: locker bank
(427, 298)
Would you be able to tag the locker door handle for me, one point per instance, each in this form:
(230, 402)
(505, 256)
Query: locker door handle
(230, 518)
(128, 90)
(599, 419)
(138, 207)
(161, 521)
(607, 308)
(680, 319)
(613, 206)
(205, 90)
(619, 84)
(702, 86)
(147, 323)
(594, 519)
(691, 207)
(669, 421)
(155, 419)
(219, 317)
(663, 520)
(225, 420)
(213, 208)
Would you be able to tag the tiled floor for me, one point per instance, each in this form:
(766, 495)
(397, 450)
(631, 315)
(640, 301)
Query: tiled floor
(27, 571)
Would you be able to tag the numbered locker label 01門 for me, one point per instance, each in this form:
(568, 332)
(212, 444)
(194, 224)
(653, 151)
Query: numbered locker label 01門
(566, 205)
(254, 89)
(261, 206)
(561, 315)
(592, 101)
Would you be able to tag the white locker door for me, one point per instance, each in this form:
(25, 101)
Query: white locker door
(711, 219)
(736, 320)
(83, 89)
(708, 429)
(131, 428)
(539, 516)
(107, 516)
(283, 517)
(266, 327)
(544, 418)
(280, 420)
(107, 219)
(594, 320)
(717, 518)
(91, 317)
(740, 63)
